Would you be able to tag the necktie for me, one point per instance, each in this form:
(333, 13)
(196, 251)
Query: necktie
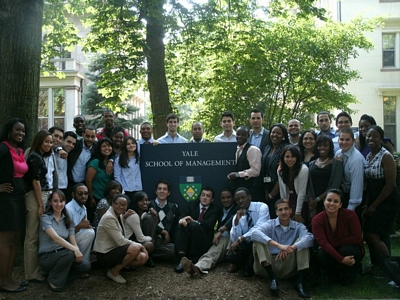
(203, 210)
(249, 219)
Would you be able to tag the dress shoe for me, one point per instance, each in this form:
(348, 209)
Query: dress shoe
(393, 269)
(24, 283)
(54, 289)
(189, 267)
(179, 268)
(232, 268)
(248, 272)
(300, 291)
(150, 263)
(17, 290)
(274, 287)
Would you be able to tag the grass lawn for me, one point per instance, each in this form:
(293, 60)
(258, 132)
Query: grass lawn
(367, 286)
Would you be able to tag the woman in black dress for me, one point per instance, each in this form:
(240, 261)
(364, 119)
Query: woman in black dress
(12, 207)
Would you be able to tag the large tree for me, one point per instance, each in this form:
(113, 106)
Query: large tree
(291, 67)
(20, 40)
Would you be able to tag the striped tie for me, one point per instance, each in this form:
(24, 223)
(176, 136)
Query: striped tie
(249, 219)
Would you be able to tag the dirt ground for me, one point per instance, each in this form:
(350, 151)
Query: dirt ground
(160, 282)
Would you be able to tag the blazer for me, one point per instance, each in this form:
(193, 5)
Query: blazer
(74, 155)
(110, 233)
(335, 180)
(228, 220)
(7, 164)
(209, 219)
(264, 140)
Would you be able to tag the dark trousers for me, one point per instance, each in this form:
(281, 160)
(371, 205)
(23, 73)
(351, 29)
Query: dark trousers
(337, 271)
(61, 266)
(243, 257)
(192, 240)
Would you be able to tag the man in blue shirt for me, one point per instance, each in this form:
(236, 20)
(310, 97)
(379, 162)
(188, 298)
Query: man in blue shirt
(324, 122)
(172, 136)
(84, 232)
(281, 249)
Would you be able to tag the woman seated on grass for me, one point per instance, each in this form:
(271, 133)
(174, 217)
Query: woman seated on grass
(113, 250)
(59, 255)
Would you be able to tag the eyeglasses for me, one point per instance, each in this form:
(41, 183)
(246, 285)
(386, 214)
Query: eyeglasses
(83, 193)
(120, 205)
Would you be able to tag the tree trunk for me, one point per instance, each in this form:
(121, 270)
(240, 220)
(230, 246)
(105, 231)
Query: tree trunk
(155, 53)
(20, 40)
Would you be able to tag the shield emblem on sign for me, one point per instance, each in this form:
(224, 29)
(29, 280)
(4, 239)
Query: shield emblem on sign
(190, 187)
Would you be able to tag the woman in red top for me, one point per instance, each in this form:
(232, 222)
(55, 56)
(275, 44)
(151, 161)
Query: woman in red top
(338, 233)
(12, 208)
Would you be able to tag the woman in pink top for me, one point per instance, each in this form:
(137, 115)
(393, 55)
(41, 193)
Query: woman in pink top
(12, 208)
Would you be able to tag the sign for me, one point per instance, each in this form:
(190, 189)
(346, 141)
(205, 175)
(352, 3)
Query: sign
(188, 167)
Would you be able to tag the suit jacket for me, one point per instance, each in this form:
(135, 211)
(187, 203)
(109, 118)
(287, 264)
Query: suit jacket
(228, 220)
(74, 155)
(264, 140)
(109, 233)
(209, 219)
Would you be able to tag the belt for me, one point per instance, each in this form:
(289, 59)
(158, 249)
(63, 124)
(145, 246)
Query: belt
(52, 251)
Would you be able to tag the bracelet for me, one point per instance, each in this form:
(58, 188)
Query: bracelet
(318, 199)
(371, 208)
(270, 196)
(237, 174)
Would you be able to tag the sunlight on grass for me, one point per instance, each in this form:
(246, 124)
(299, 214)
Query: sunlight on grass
(366, 286)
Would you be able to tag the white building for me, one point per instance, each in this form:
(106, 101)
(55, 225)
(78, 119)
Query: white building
(378, 91)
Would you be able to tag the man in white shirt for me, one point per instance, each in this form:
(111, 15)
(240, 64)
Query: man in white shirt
(227, 124)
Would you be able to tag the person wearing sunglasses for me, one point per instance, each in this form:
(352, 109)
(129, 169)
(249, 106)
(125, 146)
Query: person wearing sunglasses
(84, 232)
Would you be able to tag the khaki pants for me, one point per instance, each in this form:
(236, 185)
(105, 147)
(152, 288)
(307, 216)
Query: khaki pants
(31, 244)
(288, 268)
(214, 255)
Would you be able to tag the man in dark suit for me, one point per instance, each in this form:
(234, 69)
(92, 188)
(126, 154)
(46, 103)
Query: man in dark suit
(259, 137)
(221, 239)
(78, 157)
(196, 227)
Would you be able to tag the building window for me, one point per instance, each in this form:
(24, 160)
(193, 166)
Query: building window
(51, 107)
(388, 48)
(389, 117)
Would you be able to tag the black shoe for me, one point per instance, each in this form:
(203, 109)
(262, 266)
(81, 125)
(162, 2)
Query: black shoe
(179, 268)
(24, 283)
(248, 272)
(150, 263)
(393, 269)
(17, 290)
(300, 290)
(274, 287)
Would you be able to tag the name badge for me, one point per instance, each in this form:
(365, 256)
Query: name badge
(267, 179)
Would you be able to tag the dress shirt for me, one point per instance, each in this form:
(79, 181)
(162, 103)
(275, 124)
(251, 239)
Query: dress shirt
(253, 156)
(221, 138)
(76, 212)
(353, 175)
(79, 169)
(46, 243)
(129, 177)
(255, 139)
(332, 133)
(294, 234)
(142, 141)
(62, 165)
(49, 160)
(167, 139)
(259, 213)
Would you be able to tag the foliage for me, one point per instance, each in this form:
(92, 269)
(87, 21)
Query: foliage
(94, 103)
(289, 67)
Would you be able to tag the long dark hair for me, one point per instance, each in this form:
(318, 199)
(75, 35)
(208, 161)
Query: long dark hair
(49, 209)
(38, 142)
(285, 140)
(300, 144)
(324, 140)
(112, 184)
(6, 130)
(97, 152)
(285, 172)
(371, 121)
(123, 156)
(138, 197)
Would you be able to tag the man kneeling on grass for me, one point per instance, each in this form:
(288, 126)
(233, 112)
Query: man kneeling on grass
(280, 249)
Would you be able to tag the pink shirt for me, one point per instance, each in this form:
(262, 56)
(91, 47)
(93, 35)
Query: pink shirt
(20, 166)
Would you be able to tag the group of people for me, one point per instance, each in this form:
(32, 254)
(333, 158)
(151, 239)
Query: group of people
(80, 192)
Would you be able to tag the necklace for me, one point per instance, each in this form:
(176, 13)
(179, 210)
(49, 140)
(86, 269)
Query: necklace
(322, 162)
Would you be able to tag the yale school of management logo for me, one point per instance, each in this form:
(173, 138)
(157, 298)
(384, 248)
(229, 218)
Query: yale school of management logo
(190, 187)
